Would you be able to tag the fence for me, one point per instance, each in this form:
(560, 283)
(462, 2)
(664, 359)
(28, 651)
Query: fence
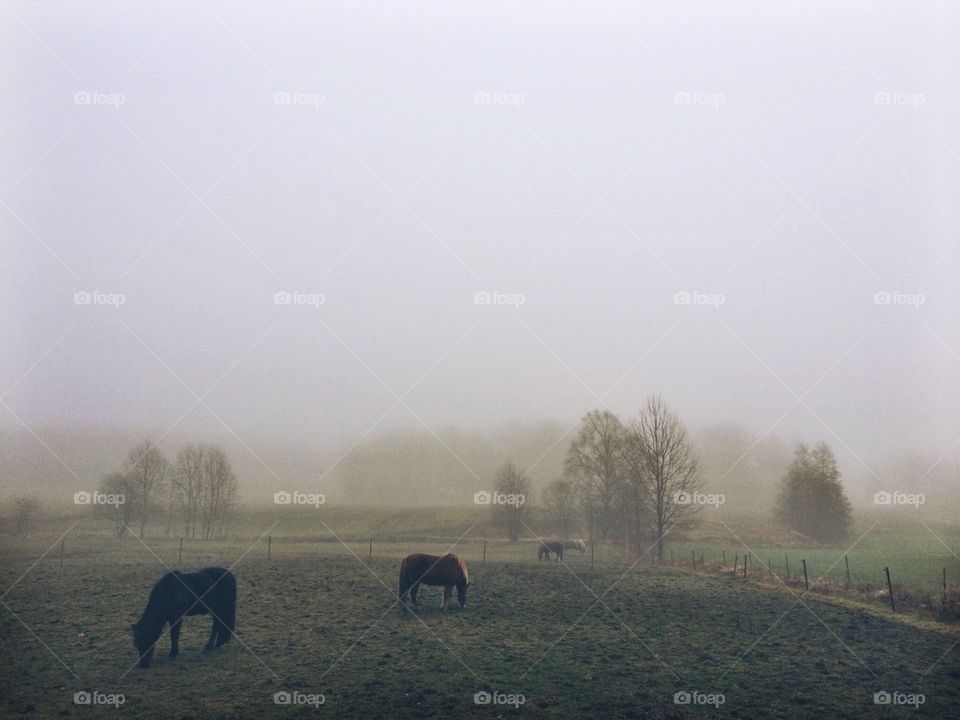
(874, 578)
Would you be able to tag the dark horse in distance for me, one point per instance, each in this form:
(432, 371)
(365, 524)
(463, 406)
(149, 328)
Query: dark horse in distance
(419, 569)
(211, 591)
(548, 547)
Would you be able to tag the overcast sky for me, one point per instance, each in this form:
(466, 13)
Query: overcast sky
(181, 163)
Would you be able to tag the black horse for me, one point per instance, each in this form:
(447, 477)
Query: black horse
(211, 591)
(548, 548)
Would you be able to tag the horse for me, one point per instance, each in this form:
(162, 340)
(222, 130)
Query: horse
(421, 569)
(550, 546)
(211, 591)
(579, 545)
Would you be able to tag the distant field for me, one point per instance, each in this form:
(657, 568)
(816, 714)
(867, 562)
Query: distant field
(916, 553)
(318, 622)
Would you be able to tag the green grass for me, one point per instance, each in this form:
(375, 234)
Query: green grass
(916, 553)
(317, 621)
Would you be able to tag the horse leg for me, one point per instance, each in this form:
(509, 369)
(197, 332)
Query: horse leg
(175, 638)
(213, 636)
(223, 633)
(413, 596)
(445, 603)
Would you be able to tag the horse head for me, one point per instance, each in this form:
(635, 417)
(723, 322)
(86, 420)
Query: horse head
(463, 583)
(145, 636)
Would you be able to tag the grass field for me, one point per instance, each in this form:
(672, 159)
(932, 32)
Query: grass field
(916, 553)
(320, 620)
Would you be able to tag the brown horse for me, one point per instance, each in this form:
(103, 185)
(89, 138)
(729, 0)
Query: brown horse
(419, 569)
(548, 547)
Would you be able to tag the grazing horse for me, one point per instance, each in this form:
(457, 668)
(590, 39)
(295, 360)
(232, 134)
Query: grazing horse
(579, 545)
(211, 591)
(550, 546)
(421, 569)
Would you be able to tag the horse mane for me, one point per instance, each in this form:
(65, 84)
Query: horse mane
(155, 602)
(463, 569)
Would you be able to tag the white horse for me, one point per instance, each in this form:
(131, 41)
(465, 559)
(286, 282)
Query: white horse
(579, 545)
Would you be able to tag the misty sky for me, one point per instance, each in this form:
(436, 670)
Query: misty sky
(781, 163)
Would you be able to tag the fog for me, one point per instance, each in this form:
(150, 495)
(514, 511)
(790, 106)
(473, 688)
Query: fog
(701, 201)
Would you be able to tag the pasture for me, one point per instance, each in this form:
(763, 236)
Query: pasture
(319, 623)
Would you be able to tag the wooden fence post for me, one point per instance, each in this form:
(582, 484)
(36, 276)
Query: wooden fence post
(693, 559)
(944, 586)
(370, 551)
(269, 544)
(893, 604)
(806, 583)
(746, 560)
(846, 561)
(736, 559)
(786, 560)
(61, 554)
(591, 556)
(180, 556)
(484, 560)
(724, 558)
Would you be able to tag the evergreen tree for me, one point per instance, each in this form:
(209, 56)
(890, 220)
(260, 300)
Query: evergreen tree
(812, 500)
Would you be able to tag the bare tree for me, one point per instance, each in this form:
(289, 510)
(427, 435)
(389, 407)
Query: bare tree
(25, 512)
(509, 501)
(122, 486)
(662, 467)
(187, 478)
(594, 462)
(218, 491)
(149, 472)
(561, 504)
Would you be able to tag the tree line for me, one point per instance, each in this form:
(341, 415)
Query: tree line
(624, 482)
(632, 483)
(195, 492)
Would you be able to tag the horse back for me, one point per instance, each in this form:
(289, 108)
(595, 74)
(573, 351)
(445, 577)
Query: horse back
(433, 569)
(198, 593)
